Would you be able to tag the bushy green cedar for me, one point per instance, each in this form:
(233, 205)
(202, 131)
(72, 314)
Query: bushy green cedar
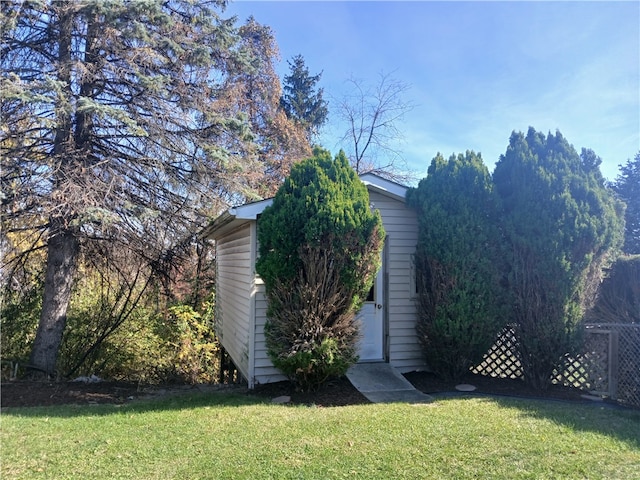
(562, 226)
(457, 263)
(320, 246)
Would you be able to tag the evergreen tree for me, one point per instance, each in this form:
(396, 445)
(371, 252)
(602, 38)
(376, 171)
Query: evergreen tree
(627, 186)
(119, 127)
(562, 227)
(457, 262)
(320, 247)
(302, 101)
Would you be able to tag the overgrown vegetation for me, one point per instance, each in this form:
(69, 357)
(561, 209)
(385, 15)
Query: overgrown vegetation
(457, 260)
(128, 125)
(320, 247)
(527, 247)
(110, 170)
(562, 227)
(123, 323)
(619, 295)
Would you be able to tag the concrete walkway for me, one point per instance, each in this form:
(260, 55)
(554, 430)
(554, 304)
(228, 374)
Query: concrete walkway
(381, 383)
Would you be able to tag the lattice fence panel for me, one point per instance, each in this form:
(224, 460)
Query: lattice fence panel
(502, 358)
(628, 371)
(609, 364)
(589, 370)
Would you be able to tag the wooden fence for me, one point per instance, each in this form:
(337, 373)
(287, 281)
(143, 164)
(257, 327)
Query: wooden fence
(608, 365)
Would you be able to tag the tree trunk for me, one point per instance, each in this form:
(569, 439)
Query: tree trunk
(62, 254)
(62, 247)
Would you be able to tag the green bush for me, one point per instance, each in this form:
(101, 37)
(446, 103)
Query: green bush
(320, 247)
(122, 323)
(317, 363)
(562, 227)
(460, 310)
(151, 346)
(115, 340)
(194, 351)
(19, 318)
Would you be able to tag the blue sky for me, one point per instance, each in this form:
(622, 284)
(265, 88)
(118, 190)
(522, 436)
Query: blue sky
(476, 71)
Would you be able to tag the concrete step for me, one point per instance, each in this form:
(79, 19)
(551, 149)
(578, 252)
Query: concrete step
(382, 383)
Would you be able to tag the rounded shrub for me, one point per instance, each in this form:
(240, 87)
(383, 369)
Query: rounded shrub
(320, 246)
(457, 263)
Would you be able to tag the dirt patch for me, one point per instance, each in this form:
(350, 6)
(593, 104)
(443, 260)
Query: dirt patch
(335, 393)
(24, 393)
(431, 384)
(338, 392)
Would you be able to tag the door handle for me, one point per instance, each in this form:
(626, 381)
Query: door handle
(379, 306)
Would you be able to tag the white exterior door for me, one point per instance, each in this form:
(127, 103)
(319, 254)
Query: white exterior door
(371, 316)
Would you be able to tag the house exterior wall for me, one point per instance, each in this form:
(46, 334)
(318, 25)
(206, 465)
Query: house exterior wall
(401, 226)
(234, 285)
(264, 371)
(241, 305)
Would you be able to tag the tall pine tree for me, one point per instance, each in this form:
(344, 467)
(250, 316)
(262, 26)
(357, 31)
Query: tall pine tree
(302, 100)
(457, 263)
(120, 126)
(561, 227)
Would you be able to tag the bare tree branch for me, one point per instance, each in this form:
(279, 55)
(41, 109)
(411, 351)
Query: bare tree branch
(372, 139)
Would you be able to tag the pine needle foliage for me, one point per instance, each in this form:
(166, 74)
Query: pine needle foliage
(627, 187)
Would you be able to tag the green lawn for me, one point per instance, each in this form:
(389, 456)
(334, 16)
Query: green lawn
(225, 436)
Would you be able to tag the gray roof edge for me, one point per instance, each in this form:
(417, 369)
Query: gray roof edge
(234, 217)
(384, 186)
(237, 216)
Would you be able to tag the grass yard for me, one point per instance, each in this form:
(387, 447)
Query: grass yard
(226, 436)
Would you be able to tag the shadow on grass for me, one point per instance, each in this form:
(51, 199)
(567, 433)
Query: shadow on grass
(179, 401)
(616, 422)
(613, 421)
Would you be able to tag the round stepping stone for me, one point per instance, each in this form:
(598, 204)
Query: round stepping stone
(465, 387)
(281, 399)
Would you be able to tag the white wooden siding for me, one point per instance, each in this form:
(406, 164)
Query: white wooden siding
(401, 226)
(233, 295)
(264, 371)
(241, 304)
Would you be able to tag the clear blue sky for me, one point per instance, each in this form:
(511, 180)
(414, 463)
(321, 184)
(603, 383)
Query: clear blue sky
(476, 70)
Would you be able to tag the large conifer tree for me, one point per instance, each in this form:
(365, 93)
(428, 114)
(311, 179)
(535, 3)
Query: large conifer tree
(457, 263)
(120, 125)
(302, 100)
(627, 186)
(562, 226)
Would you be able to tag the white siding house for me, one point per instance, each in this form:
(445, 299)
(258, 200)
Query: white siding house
(388, 318)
